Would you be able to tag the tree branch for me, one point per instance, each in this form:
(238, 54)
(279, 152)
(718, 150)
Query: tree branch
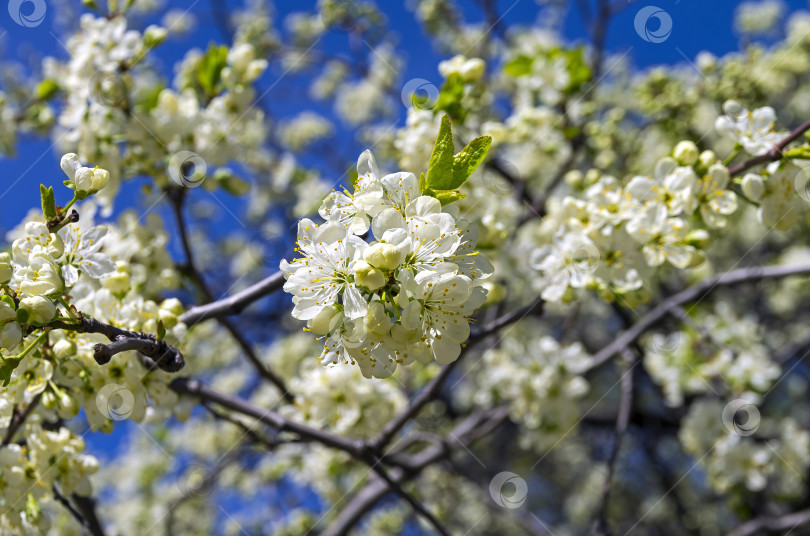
(236, 303)
(192, 387)
(622, 420)
(165, 356)
(18, 419)
(734, 277)
(786, 522)
(177, 198)
(771, 156)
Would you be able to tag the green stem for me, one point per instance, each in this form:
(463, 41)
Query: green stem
(32, 345)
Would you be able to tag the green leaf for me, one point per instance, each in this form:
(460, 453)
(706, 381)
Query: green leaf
(209, 70)
(579, 71)
(467, 161)
(440, 169)
(48, 202)
(46, 89)
(519, 66)
(22, 316)
(8, 366)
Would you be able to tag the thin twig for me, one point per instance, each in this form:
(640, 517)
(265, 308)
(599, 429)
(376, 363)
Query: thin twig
(771, 156)
(18, 419)
(734, 277)
(622, 420)
(772, 523)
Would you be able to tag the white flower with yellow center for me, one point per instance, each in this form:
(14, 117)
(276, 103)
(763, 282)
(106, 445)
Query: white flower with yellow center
(439, 304)
(82, 253)
(323, 274)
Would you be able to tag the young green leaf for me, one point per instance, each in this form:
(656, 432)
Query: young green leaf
(467, 161)
(7, 367)
(446, 197)
(48, 202)
(440, 169)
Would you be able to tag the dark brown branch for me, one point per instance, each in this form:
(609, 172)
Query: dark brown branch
(73, 512)
(418, 507)
(165, 356)
(87, 508)
(695, 292)
(177, 197)
(771, 156)
(464, 434)
(18, 419)
(191, 387)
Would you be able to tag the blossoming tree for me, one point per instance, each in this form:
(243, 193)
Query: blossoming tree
(565, 296)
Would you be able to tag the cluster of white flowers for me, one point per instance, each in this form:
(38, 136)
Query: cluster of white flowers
(540, 379)
(679, 362)
(734, 460)
(404, 297)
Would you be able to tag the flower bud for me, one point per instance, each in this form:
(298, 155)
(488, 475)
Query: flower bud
(707, 158)
(383, 256)
(377, 320)
(64, 349)
(686, 153)
(154, 35)
(7, 312)
(325, 321)
(6, 270)
(367, 276)
(10, 335)
(753, 186)
(117, 282)
(169, 312)
(68, 408)
(40, 310)
(101, 177)
(70, 164)
(472, 69)
(84, 179)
